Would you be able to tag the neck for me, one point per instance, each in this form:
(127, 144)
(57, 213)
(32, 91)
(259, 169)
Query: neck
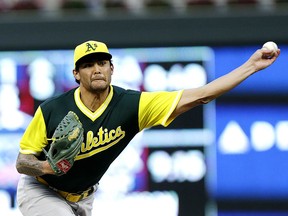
(93, 100)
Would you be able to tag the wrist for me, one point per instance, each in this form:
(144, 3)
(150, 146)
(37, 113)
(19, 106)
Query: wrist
(47, 168)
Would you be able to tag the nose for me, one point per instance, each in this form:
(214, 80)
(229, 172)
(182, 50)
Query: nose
(96, 69)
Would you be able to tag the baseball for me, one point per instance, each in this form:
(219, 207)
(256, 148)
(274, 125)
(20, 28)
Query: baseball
(270, 45)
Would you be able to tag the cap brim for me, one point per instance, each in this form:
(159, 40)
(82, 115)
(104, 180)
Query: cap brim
(95, 56)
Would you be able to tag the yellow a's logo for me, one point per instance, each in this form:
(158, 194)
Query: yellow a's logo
(91, 47)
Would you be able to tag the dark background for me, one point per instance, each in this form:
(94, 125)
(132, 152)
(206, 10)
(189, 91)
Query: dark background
(198, 25)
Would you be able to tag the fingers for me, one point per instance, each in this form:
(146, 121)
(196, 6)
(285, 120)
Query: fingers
(269, 54)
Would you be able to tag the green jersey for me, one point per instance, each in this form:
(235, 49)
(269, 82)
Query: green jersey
(107, 131)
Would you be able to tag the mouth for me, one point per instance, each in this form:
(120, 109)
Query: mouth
(98, 79)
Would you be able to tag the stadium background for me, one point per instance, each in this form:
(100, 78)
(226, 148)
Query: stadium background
(212, 37)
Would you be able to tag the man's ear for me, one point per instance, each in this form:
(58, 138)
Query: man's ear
(76, 74)
(112, 68)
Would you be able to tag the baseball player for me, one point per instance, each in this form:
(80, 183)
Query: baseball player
(110, 116)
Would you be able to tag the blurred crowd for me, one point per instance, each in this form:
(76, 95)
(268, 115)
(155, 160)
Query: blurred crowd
(133, 5)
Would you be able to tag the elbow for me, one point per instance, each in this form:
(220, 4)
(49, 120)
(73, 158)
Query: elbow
(19, 165)
(19, 168)
(202, 102)
(205, 100)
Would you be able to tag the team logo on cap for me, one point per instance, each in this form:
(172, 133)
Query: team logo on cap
(91, 47)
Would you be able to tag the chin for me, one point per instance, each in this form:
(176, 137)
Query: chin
(99, 88)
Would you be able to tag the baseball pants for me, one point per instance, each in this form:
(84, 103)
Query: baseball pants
(36, 199)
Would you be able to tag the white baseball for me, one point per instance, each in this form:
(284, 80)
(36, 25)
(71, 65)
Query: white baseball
(270, 45)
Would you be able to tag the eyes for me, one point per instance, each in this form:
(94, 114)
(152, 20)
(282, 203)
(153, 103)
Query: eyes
(91, 64)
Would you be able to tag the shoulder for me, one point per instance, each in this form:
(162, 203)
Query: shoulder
(160, 97)
(125, 97)
(119, 90)
(59, 98)
(60, 103)
(157, 94)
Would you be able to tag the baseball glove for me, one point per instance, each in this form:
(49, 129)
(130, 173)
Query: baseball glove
(66, 143)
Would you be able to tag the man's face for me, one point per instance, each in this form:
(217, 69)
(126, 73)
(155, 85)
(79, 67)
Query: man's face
(94, 75)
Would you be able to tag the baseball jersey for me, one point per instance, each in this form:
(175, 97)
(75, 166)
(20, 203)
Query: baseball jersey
(107, 131)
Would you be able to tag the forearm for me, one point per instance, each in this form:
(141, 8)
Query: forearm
(221, 85)
(30, 165)
(224, 84)
(203, 95)
(214, 89)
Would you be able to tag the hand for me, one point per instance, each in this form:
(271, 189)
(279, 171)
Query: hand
(259, 59)
(47, 169)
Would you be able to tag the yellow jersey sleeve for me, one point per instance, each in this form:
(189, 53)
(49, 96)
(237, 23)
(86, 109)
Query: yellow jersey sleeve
(155, 108)
(34, 138)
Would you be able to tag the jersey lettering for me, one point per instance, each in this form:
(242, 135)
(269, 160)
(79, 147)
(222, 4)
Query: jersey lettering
(104, 140)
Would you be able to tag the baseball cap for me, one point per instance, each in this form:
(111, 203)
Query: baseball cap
(91, 47)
